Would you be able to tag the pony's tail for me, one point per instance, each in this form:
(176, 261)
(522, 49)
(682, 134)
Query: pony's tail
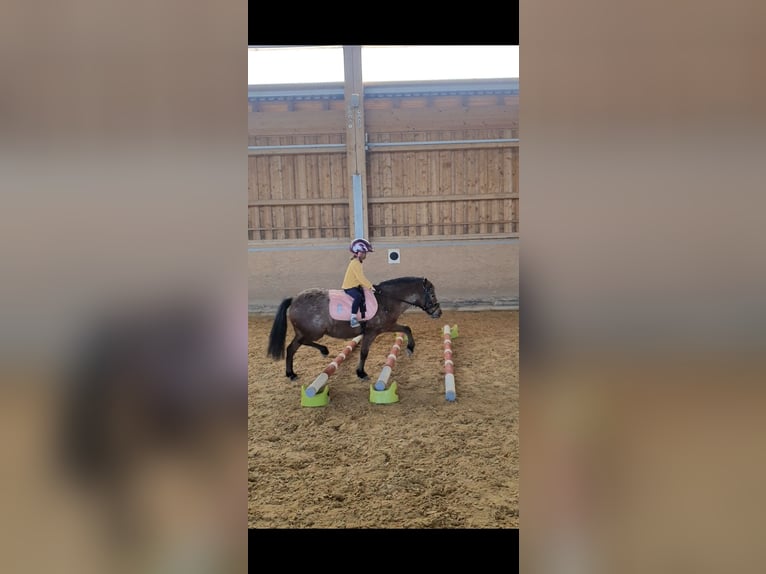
(279, 331)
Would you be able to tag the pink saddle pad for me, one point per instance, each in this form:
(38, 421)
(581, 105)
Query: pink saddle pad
(340, 305)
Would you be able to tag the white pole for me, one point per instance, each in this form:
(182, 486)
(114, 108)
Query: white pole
(449, 368)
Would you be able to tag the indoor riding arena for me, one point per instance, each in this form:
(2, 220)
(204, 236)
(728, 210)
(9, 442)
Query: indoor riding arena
(428, 173)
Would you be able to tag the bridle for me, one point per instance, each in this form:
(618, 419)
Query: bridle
(430, 307)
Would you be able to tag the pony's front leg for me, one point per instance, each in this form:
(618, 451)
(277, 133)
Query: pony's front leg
(410, 339)
(364, 349)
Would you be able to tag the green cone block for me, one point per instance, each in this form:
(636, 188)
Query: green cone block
(318, 400)
(384, 397)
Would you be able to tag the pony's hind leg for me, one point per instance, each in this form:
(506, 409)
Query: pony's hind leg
(291, 349)
(322, 349)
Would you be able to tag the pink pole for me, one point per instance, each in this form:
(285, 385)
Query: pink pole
(380, 384)
(321, 380)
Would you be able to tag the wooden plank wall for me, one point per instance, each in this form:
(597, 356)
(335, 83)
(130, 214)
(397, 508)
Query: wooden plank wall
(297, 195)
(448, 190)
(451, 189)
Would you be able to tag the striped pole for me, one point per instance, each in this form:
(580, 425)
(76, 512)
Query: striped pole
(449, 370)
(321, 380)
(380, 384)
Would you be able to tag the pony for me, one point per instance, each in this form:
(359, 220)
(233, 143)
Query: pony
(309, 315)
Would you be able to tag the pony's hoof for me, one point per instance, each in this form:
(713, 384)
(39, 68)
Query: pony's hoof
(363, 376)
(292, 376)
(410, 352)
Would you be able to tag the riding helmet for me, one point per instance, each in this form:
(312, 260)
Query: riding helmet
(360, 246)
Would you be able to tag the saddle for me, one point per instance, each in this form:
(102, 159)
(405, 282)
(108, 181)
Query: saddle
(340, 305)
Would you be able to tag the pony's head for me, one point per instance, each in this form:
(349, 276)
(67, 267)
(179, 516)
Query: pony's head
(430, 302)
(417, 291)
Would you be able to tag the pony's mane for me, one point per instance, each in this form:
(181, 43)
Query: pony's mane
(401, 280)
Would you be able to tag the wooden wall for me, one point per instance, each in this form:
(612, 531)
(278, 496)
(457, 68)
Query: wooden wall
(464, 184)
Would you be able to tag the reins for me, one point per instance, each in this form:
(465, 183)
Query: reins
(383, 294)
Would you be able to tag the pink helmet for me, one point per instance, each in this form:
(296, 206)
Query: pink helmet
(360, 246)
